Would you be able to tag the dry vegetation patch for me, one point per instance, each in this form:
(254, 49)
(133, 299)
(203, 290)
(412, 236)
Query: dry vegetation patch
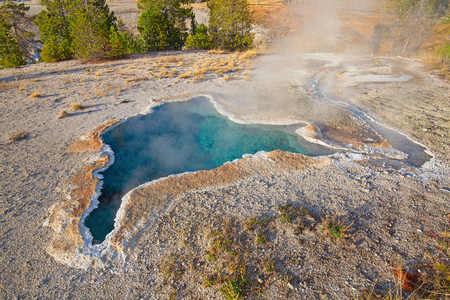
(63, 114)
(18, 135)
(428, 279)
(77, 106)
(35, 95)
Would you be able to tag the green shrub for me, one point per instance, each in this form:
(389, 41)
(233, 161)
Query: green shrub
(82, 29)
(158, 32)
(119, 44)
(53, 23)
(230, 24)
(444, 51)
(10, 53)
(446, 19)
(199, 40)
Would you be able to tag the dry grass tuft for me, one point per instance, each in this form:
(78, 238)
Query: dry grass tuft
(172, 73)
(216, 51)
(22, 86)
(18, 135)
(171, 59)
(336, 228)
(100, 92)
(200, 72)
(185, 75)
(226, 78)
(35, 95)
(4, 86)
(77, 106)
(63, 114)
(249, 54)
(137, 79)
(199, 77)
(162, 74)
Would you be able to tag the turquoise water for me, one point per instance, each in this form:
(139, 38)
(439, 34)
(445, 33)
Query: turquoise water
(176, 138)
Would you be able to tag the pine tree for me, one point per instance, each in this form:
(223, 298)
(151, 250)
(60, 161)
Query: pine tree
(200, 39)
(10, 53)
(162, 24)
(158, 32)
(90, 23)
(120, 44)
(230, 24)
(54, 25)
(14, 38)
(83, 29)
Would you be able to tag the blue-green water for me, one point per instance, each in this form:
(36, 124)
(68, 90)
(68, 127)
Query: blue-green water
(176, 138)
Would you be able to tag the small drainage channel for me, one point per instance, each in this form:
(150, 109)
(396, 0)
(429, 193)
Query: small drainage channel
(416, 153)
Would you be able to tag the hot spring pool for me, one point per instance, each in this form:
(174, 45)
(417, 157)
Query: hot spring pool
(175, 138)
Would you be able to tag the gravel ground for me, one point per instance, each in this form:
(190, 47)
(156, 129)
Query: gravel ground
(391, 211)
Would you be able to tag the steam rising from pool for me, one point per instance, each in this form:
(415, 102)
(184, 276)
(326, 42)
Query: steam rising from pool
(180, 137)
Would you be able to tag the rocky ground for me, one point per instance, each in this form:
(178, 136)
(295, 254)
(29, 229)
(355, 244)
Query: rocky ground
(271, 228)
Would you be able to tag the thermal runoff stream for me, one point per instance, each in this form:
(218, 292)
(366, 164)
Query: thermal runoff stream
(180, 137)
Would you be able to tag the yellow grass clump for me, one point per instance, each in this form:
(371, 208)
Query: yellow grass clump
(77, 106)
(172, 73)
(200, 72)
(101, 92)
(35, 95)
(216, 51)
(171, 59)
(185, 75)
(63, 114)
(249, 54)
(199, 77)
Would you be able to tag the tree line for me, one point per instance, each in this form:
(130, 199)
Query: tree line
(87, 29)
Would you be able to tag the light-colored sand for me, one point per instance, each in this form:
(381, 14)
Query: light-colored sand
(392, 210)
